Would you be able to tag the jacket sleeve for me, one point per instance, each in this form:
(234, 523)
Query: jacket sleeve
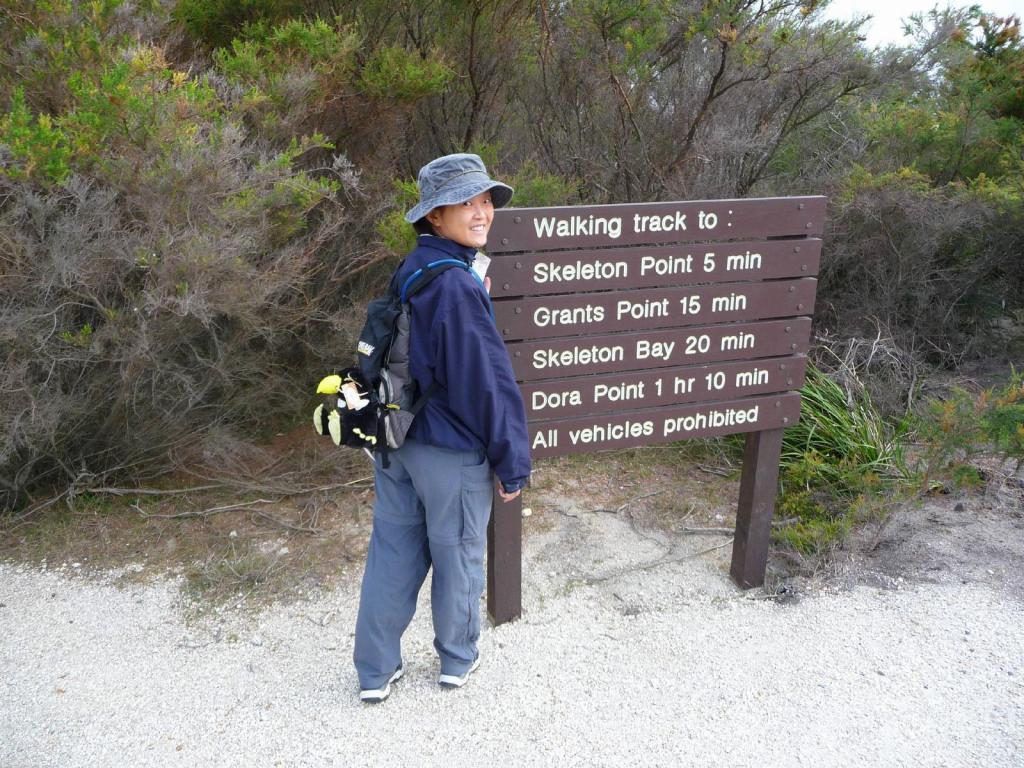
(470, 356)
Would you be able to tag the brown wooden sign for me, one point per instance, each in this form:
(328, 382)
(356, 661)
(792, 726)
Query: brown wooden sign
(549, 316)
(663, 425)
(541, 229)
(535, 360)
(566, 398)
(538, 274)
(631, 325)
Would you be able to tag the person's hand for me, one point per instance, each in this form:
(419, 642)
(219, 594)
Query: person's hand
(487, 284)
(507, 497)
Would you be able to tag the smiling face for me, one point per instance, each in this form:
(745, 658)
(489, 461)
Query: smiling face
(465, 223)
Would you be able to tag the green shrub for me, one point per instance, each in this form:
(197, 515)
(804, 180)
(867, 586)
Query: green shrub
(296, 78)
(966, 476)
(534, 188)
(37, 148)
(813, 528)
(840, 451)
(135, 107)
(955, 428)
(1003, 415)
(394, 73)
(395, 233)
(269, 55)
(118, 116)
(218, 22)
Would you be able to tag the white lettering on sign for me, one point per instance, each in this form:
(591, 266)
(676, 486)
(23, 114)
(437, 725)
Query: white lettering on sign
(615, 393)
(552, 358)
(611, 226)
(737, 341)
(707, 220)
(541, 400)
(746, 260)
(731, 303)
(599, 433)
(709, 420)
(659, 349)
(545, 316)
(756, 377)
(545, 438)
(639, 310)
(683, 385)
(670, 222)
(668, 265)
(578, 226)
(550, 272)
(698, 345)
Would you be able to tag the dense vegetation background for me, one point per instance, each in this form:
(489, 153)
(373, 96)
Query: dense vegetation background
(196, 196)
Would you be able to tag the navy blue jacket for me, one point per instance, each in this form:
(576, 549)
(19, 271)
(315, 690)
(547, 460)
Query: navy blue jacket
(453, 341)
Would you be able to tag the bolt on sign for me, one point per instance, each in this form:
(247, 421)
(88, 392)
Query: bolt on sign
(631, 325)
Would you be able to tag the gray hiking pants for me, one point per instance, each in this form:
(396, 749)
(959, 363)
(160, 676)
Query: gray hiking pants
(432, 509)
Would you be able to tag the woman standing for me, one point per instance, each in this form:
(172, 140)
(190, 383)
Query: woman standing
(434, 500)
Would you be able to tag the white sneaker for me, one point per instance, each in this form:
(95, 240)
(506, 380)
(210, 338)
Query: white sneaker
(377, 695)
(457, 681)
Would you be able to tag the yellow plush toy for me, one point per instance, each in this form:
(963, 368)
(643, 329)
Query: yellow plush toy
(343, 413)
(329, 385)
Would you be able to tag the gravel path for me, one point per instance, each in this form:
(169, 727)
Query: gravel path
(611, 666)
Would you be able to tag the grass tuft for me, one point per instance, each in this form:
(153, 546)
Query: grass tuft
(841, 450)
(232, 571)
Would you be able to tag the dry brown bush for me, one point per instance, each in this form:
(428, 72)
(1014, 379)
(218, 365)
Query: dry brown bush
(134, 322)
(931, 267)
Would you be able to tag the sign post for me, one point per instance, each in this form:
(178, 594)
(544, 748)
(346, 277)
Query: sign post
(754, 512)
(631, 325)
(505, 560)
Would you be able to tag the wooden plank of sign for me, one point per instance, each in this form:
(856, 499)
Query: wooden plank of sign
(538, 274)
(556, 358)
(663, 425)
(592, 313)
(580, 396)
(581, 226)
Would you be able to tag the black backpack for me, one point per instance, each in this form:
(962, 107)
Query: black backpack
(389, 395)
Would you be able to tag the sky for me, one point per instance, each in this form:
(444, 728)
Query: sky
(885, 27)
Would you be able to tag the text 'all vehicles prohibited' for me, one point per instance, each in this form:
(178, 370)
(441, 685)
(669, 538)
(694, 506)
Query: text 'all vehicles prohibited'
(633, 428)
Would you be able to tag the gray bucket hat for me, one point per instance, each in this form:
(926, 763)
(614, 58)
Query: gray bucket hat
(454, 179)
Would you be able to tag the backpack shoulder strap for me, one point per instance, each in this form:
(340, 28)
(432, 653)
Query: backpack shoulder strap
(422, 277)
(422, 399)
(415, 283)
(393, 285)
